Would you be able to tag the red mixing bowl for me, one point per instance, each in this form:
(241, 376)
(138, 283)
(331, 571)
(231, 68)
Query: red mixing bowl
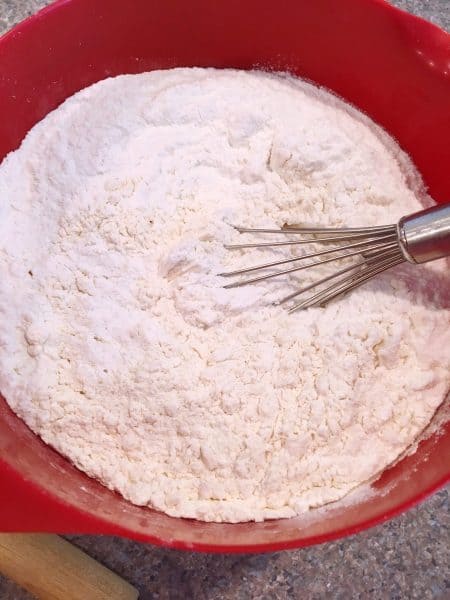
(393, 66)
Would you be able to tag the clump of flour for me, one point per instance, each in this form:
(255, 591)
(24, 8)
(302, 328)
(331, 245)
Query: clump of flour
(119, 345)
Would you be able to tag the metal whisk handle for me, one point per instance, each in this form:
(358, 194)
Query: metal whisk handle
(425, 235)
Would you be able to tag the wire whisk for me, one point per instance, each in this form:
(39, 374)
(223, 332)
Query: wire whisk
(417, 238)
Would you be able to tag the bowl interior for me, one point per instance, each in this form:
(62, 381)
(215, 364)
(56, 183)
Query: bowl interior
(389, 64)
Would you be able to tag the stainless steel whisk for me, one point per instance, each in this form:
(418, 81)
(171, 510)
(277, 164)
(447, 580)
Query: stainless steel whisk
(417, 238)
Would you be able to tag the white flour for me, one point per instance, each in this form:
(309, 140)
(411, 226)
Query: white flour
(120, 348)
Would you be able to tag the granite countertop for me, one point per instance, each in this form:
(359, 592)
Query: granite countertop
(408, 557)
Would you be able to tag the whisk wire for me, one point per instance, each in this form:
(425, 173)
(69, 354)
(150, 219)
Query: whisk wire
(310, 240)
(416, 238)
(380, 254)
(293, 269)
(298, 229)
(377, 247)
(386, 238)
(348, 283)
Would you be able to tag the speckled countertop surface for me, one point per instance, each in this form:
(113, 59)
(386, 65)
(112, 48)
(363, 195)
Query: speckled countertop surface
(406, 558)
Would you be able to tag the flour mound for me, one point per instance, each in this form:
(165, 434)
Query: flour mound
(119, 345)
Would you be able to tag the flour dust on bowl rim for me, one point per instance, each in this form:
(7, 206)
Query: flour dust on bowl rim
(338, 47)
